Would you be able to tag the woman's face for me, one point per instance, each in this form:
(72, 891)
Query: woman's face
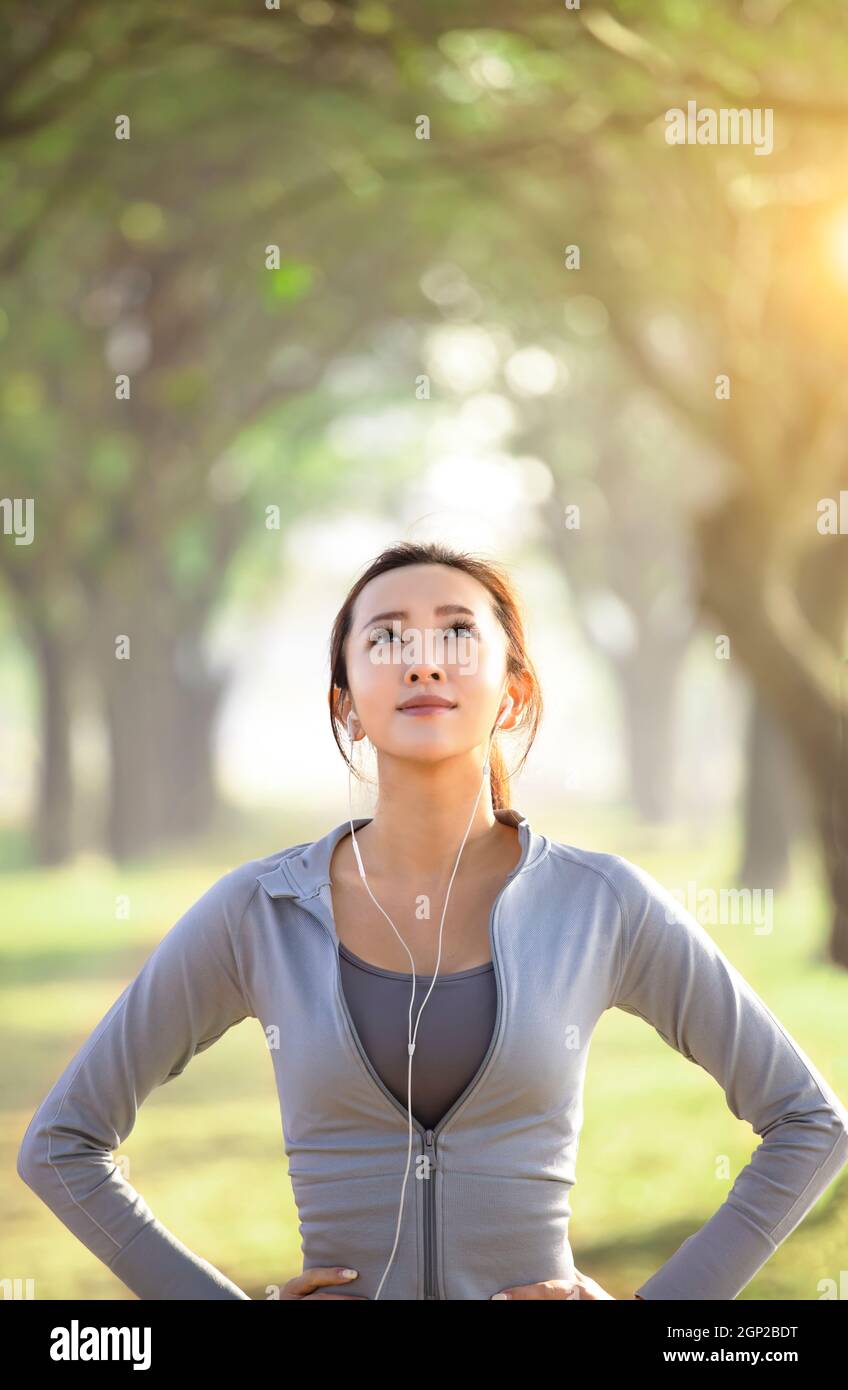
(427, 631)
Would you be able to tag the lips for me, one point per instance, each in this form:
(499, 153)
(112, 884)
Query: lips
(426, 704)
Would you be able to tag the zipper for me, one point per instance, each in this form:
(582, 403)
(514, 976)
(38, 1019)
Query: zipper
(428, 1136)
(430, 1285)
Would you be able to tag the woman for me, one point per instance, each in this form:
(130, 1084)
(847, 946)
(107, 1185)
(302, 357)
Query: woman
(333, 946)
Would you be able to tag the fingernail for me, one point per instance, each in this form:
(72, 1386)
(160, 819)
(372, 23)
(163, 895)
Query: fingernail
(348, 1273)
(498, 1295)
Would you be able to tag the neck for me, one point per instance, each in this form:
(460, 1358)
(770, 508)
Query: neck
(421, 818)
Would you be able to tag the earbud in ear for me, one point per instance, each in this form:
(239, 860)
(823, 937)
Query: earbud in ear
(504, 714)
(350, 720)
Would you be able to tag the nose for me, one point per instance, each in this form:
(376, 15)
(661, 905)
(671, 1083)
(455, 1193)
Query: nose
(425, 671)
(427, 667)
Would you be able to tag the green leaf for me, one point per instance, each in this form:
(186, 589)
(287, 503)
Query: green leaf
(291, 282)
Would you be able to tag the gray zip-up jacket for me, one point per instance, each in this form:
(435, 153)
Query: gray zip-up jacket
(573, 933)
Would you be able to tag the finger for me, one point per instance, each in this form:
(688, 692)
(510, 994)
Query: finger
(544, 1290)
(342, 1297)
(306, 1283)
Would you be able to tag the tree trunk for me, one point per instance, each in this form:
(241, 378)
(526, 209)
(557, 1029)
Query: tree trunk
(189, 696)
(53, 831)
(648, 684)
(646, 677)
(833, 831)
(772, 781)
(131, 828)
(794, 668)
(160, 713)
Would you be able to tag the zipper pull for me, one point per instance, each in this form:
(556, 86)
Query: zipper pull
(430, 1147)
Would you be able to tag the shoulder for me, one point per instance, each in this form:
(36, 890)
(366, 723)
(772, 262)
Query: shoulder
(607, 872)
(228, 899)
(638, 894)
(242, 883)
(287, 873)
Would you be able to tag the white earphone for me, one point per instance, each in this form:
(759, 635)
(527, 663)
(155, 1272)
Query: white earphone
(411, 1035)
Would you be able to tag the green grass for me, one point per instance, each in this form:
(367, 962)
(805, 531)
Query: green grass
(207, 1151)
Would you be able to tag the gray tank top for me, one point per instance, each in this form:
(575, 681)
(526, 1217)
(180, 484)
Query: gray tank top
(453, 1036)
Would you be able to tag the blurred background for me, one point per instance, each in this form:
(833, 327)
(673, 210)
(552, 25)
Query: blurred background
(281, 284)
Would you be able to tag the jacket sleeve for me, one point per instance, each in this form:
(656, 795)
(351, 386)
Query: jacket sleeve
(674, 976)
(185, 997)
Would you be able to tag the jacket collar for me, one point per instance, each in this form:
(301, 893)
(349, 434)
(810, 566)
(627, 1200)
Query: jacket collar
(304, 871)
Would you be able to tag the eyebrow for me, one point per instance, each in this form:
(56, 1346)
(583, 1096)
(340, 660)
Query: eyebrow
(440, 612)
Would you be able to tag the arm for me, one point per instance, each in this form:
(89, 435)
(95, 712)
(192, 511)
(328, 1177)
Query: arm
(185, 997)
(674, 976)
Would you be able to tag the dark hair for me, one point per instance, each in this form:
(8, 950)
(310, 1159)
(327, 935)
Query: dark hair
(508, 612)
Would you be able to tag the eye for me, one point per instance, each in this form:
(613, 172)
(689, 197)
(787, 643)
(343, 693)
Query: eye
(376, 635)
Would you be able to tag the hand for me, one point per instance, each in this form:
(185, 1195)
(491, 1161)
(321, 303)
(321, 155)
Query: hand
(580, 1287)
(305, 1285)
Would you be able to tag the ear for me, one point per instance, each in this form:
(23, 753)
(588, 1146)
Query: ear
(516, 695)
(343, 706)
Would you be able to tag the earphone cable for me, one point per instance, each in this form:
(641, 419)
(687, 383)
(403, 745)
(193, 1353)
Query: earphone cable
(411, 1035)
